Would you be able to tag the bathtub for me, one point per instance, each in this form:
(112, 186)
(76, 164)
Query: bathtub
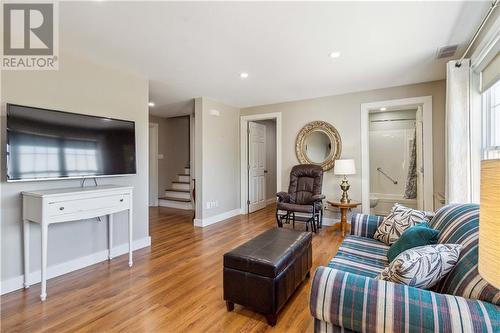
(381, 203)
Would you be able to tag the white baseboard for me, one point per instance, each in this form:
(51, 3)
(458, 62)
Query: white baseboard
(327, 221)
(69, 266)
(330, 221)
(217, 218)
(271, 201)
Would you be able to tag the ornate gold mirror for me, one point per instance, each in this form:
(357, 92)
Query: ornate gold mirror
(318, 143)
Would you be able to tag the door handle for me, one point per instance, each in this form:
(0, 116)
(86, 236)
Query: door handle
(265, 171)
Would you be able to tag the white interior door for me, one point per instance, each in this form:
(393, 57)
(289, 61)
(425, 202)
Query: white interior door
(256, 166)
(153, 164)
(420, 159)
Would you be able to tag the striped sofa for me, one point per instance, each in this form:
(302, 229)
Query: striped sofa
(346, 297)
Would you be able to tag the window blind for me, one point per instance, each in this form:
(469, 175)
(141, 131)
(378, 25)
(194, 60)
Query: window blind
(491, 73)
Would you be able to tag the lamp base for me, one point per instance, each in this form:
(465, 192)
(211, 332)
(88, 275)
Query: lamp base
(344, 186)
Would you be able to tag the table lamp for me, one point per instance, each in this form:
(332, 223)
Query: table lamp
(344, 168)
(489, 222)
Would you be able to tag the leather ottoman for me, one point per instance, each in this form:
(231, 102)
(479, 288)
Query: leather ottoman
(264, 272)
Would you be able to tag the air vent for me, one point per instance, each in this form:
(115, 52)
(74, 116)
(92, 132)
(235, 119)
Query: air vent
(446, 51)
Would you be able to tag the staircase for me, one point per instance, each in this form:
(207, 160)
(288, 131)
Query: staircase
(179, 194)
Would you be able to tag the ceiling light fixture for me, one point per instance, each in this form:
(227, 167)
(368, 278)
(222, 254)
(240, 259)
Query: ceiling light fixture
(334, 54)
(383, 109)
(243, 75)
(151, 104)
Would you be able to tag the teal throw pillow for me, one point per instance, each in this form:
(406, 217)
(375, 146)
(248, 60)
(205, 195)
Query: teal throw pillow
(418, 235)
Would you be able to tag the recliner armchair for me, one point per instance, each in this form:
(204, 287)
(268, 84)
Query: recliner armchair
(303, 196)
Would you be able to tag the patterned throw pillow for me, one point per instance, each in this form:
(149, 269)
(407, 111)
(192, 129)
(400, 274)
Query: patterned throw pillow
(423, 266)
(418, 235)
(399, 219)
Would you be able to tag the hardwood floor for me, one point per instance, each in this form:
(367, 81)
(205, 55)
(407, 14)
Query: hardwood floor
(174, 286)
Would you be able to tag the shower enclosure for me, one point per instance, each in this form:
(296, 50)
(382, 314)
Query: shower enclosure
(395, 155)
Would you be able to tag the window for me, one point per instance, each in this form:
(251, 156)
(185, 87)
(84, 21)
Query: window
(491, 122)
(39, 161)
(80, 161)
(37, 156)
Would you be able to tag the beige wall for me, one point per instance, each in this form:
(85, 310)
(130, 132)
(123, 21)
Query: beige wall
(177, 146)
(173, 144)
(343, 112)
(162, 150)
(217, 161)
(81, 87)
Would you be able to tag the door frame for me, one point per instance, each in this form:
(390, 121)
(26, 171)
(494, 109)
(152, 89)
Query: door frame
(153, 128)
(244, 154)
(366, 108)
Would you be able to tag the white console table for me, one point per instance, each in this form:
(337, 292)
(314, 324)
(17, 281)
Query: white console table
(71, 204)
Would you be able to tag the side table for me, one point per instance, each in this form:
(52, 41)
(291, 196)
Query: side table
(343, 212)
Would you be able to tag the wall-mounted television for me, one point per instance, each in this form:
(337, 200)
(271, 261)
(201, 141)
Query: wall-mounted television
(48, 144)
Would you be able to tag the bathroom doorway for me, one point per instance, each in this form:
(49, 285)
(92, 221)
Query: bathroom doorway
(396, 173)
(397, 155)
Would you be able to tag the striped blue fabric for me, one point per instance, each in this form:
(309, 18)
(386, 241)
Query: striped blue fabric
(346, 298)
(324, 327)
(344, 302)
(365, 225)
(459, 224)
(360, 255)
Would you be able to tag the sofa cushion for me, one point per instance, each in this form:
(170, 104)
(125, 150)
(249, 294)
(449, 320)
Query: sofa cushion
(361, 304)
(422, 266)
(360, 255)
(399, 219)
(459, 224)
(295, 207)
(418, 235)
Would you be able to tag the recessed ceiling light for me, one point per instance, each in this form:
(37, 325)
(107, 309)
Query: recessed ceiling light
(243, 75)
(383, 109)
(334, 54)
(151, 104)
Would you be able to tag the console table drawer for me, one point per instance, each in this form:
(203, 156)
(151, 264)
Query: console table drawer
(81, 205)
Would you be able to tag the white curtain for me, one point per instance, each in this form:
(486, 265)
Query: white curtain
(458, 133)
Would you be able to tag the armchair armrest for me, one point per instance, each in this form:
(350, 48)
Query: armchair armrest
(318, 197)
(365, 225)
(363, 304)
(283, 196)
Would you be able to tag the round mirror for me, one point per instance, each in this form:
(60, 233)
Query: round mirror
(318, 146)
(318, 143)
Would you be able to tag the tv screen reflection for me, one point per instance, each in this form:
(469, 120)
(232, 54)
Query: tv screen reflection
(46, 144)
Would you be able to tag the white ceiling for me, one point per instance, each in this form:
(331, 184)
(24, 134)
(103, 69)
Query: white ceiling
(189, 50)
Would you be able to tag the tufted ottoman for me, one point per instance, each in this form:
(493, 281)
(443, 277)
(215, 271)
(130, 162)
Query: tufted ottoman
(264, 272)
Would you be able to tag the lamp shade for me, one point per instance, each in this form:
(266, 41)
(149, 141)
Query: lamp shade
(489, 222)
(344, 167)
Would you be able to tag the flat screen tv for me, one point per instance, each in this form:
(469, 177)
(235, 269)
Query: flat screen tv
(48, 144)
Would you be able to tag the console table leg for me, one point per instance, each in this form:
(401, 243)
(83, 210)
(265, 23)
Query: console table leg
(43, 294)
(110, 236)
(130, 262)
(26, 233)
